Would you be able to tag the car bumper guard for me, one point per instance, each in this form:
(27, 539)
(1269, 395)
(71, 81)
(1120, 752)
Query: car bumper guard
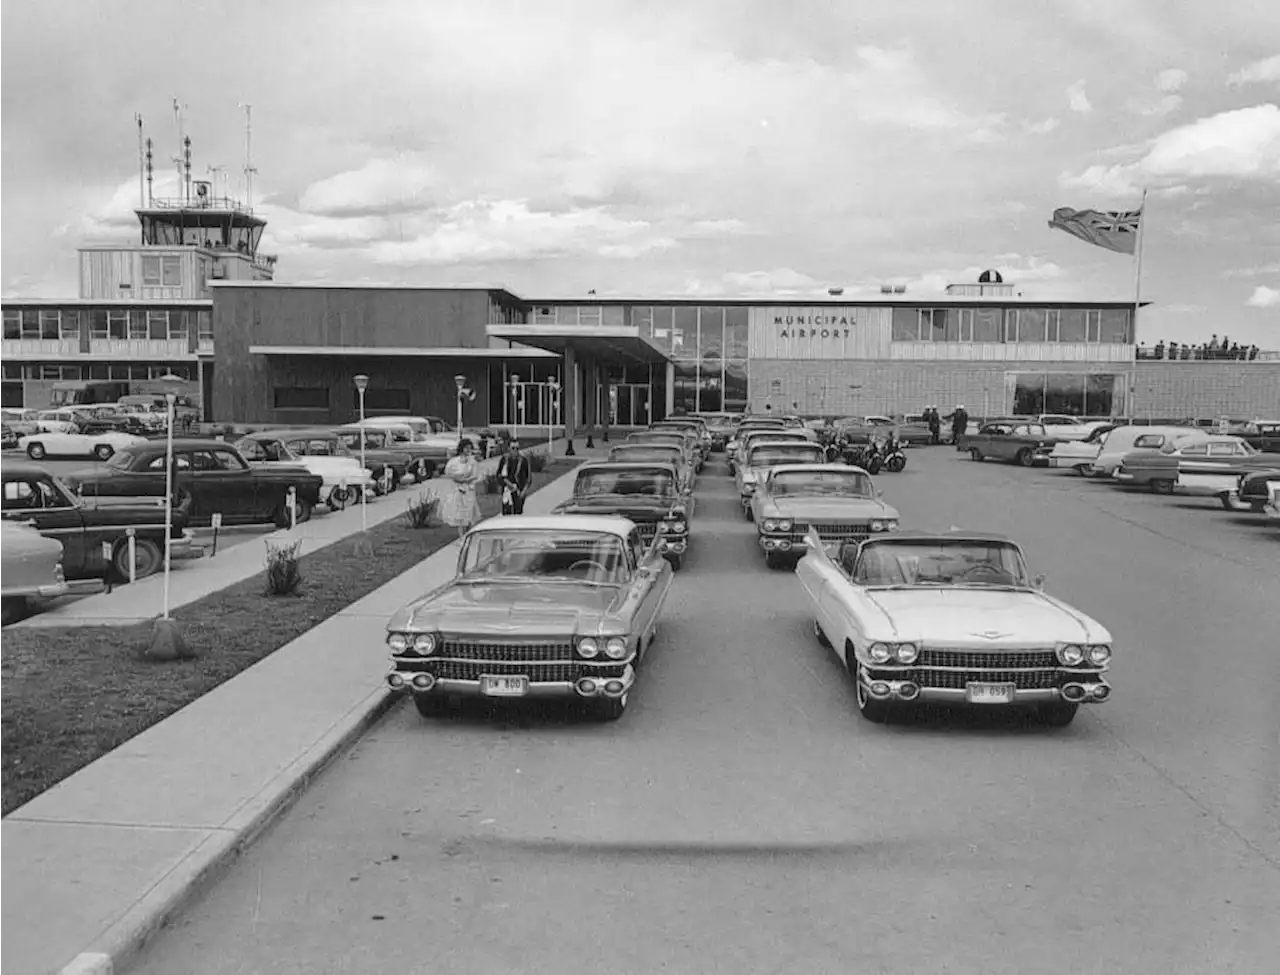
(585, 687)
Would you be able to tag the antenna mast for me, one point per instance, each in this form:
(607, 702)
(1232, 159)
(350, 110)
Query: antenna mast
(142, 169)
(150, 169)
(186, 152)
(177, 160)
(248, 155)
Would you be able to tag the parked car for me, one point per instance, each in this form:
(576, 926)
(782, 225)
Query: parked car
(1063, 427)
(1254, 490)
(99, 440)
(342, 477)
(210, 477)
(32, 569)
(750, 425)
(397, 440)
(8, 437)
(1028, 444)
(94, 538)
(955, 618)
(649, 495)
(389, 468)
(753, 437)
(764, 454)
(1080, 455)
(21, 422)
(57, 421)
(432, 432)
(559, 606)
(1125, 440)
(640, 453)
(694, 425)
(1207, 465)
(697, 448)
(838, 502)
(673, 438)
(1262, 434)
(721, 427)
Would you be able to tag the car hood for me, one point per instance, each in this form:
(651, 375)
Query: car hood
(961, 617)
(828, 509)
(510, 608)
(639, 508)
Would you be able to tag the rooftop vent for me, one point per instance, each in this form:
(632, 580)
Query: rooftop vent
(990, 277)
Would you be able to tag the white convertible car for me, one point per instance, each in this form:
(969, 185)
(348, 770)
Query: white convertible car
(100, 445)
(952, 617)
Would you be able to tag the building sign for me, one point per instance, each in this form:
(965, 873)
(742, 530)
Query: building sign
(819, 332)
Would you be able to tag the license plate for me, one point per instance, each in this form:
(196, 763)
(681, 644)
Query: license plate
(504, 686)
(989, 693)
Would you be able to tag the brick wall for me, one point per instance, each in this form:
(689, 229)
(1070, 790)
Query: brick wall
(901, 386)
(1207, 389)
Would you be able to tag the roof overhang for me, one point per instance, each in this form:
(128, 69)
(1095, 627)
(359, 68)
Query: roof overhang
(456, 352)
(611, 343)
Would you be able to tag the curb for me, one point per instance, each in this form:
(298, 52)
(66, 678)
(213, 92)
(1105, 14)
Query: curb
(122, 942)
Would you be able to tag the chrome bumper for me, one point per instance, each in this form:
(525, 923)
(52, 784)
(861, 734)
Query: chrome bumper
(1092, 691)
(675, 546)
(585, 687)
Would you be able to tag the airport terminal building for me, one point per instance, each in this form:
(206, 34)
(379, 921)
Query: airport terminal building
(194, 298)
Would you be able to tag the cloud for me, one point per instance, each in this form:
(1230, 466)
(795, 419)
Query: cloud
(1165, 105)
(1253, 272)
(1043, 128)
(1171, 79)
(783, 281)
(1267, 69)
(1077, 99)
(1016, 269)
(1240, 144)
(1264, 297)
(379, 186)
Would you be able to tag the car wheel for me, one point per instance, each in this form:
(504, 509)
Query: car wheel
(147, 559)
(103, 451)
(1081, 470)
(1233, 505)
(873, 709)
(975, 454)
(339, 498)
(431, 705)
(381, 483)
(677, 562)
(1162, 486)
(748, 513)
(282, 513)
(820, 636)
(35, 451)
(1058, 714)
(773, 560)
(1027, 457)
(12, 609)
(897, 464)
(609, 708)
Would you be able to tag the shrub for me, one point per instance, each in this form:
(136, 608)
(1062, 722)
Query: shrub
(537, 463)
(422, 511)
(284, 575)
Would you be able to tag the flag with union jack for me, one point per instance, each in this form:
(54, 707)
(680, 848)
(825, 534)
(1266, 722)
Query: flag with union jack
(1115, 230)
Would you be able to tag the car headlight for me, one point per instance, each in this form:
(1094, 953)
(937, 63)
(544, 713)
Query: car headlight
(891, 524)
(877, 525)
(907, 653)
(1098, 654)
(615, 648)
(1071, 655)
(675, 527)
(588, 648)
(784, 525)
(398, 642)
(770, 525)
(879, 652)
(424, 643)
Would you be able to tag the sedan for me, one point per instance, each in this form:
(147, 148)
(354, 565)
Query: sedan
(1028, 444)
(99, 441)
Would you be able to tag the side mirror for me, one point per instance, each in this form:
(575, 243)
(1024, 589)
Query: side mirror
(1037, 581)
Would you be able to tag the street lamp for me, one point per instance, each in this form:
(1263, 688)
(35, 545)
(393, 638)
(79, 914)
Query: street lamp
(461, 382)
(362, 383)
(515, 401)
(166, 641)
(553, 393)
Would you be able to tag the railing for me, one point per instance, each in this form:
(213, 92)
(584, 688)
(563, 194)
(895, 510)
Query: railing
(1187, 354)
(198, 203)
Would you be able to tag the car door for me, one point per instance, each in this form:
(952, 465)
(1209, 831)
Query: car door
(653, 574)
(241, 484)
(37, 501)
(213, 490)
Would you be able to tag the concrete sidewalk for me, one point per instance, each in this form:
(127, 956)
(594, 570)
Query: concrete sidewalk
(95, 865)
(195, 579)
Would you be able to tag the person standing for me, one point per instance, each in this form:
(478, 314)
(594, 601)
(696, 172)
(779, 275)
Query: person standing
(959, 424)
(934, 419)
(514, 474)
(460, 507)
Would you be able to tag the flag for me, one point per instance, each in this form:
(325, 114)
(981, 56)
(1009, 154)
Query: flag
(1113, 230)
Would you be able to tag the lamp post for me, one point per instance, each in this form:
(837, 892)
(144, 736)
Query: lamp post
(515, 403)
(166, 641)
(553, 395)
(362, 383)
(461, 382)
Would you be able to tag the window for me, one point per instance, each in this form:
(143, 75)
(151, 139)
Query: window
(302, 397)
(1071, 325)
(98, 370)
(162, 271)
(13, 324)
(1031, 324)
(663, 323)
(567, 315)
(138, 324)
(70, 324)
(151, 272)
(735, 332)
(1092, 324)
(684, 333)
(1225, 450)
(711, 334)
(906, 324)
(12, 370)
(1068, 394)
(686, 386)
(1051, 324)
(1195, 450)
(1114, 326)
(612, 315)
(171, 271)
(227, 460)
(138, 370)
(589, 315)
(117, 324)
(642, 319)
(385, 401)
(204, 326)
(1064, 393)
(158, 324)
(933, 324)
(50, 324)
(986, 325)
(178, 325)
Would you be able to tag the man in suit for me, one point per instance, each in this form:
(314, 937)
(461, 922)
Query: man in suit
(514, 475)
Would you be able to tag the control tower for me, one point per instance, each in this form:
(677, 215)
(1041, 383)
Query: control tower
(186, 241)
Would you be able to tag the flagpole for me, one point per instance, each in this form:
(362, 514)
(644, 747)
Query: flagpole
(1137, 278)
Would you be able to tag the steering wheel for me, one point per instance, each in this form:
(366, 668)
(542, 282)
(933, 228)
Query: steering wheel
(589, 563)
(985, 568)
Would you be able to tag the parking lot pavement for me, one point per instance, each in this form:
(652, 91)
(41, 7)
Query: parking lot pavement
(741, 817)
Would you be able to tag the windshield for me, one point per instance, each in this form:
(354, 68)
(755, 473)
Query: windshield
(835, 484)
(319, 447)
(655, 482)
(544, 555)
(674, 439)
(666, 455)
(373, 439)
(784, 454)
(940, 563)
(121, 460)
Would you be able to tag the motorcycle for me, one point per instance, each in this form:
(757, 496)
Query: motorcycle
(879, 455)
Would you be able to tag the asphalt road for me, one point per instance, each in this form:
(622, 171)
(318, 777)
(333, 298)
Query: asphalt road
(742, 818)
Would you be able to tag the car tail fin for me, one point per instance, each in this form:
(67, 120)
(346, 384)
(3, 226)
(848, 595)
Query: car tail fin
(814, 542)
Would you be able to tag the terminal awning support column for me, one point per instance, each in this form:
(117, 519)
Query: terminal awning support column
(570, 394)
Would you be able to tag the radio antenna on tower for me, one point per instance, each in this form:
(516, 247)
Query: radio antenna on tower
(178, 159)
(249, 170)
(142, 166)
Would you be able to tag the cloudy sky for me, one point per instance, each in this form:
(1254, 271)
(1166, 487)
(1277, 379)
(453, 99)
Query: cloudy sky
(702, 147)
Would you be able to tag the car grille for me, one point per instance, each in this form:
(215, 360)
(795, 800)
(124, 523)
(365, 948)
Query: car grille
(1024, 669)
(983, 659)
(957, 679)
(506, 652)
(561, 672)
(834, 531)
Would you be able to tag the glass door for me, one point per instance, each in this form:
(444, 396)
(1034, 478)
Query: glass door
(630, 404)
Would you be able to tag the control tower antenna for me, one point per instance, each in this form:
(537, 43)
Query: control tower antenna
(150, 175)
(142, 164)
(186, 184)
(177, 160)
(249, 169)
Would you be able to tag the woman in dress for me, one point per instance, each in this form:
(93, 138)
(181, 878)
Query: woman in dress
(460, 506)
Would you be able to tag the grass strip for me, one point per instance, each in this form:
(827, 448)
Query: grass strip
(53, 726)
